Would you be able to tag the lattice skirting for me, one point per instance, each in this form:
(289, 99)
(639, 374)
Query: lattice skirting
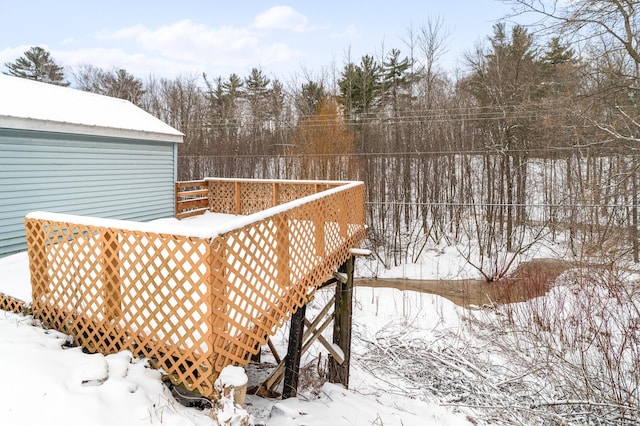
(11, 304)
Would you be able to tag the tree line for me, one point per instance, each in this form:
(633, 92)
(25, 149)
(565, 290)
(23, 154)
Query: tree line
(426, 140)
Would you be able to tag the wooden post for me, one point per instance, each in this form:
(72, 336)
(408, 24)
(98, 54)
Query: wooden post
(343, 215)
(275, 194)
(38, 239)
(318, 223)
(176, 191)
(209, 186)
(238, 199)
(339, 372)
(292, 360)
(111, 281)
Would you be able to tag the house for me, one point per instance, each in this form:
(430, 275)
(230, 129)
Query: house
(67, 151)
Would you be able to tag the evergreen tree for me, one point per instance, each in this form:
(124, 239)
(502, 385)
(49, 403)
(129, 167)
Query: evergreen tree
(396, 83)
(560, 70)
(361, 86)
(257, 96)
(396, 78)
(256, 85)
(233, 87)
(37, 64)
(224, 122)
(309, 98)
(508, 73)
(557, 53)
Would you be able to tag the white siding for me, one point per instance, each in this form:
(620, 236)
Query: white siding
(87, 175)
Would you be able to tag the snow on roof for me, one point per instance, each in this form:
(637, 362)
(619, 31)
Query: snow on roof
(32, 105)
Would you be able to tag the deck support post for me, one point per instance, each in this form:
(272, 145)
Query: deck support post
(292, 360)
(339, 371)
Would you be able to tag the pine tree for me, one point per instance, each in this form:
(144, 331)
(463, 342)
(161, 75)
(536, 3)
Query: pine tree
(361, 86)
(224, 120)
(37, 64)
(396, 83)
(257, 96)
(310, 96)
(257, 91)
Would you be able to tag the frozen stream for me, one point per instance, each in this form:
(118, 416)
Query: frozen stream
(531, 279)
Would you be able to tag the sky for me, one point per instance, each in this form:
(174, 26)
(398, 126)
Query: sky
(163, 38)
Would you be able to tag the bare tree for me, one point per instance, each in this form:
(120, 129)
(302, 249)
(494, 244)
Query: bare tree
(615, 20)
(117, 83)
(181, 104)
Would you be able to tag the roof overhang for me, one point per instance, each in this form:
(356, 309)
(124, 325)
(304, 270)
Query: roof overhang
(20, 123)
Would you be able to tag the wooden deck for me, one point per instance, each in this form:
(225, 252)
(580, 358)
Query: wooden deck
(193, 304)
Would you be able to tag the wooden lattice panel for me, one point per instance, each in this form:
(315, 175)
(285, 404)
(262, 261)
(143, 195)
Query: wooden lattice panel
(288, 193)
(247, 196)
(114, 289)
(191, 305)
(222, 197)
(11, 304)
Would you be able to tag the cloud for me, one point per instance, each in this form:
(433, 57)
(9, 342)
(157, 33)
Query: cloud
(137, 64)
(181, 47)
(190, 41)
(176, 48)
(226, 45)
(350, 32)
(123, 33)
(281, 18)
(10, 54)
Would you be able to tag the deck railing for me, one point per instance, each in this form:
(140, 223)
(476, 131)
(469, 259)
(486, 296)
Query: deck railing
(242, 196)
(193, 300)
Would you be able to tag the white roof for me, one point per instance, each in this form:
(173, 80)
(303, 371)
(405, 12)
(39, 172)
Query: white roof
(32, 105)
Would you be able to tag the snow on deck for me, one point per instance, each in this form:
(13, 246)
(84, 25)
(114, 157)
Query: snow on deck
(14, 269)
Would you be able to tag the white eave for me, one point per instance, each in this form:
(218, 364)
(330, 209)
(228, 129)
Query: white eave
(32, 105)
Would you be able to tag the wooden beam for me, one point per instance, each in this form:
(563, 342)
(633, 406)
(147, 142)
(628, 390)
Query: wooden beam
(274, 352)
(339, 357)
(360, 252)
(341, 277)
(292, 360)
(313, 331)
(339, 371)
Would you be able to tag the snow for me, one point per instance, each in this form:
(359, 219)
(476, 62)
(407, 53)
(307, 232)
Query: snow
(211, 225)
(15, 281)
(233, 376)
(31, 105)
(435, 263)
(49, 382)
(338, 406)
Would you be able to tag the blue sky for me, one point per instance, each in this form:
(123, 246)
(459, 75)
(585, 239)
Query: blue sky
(284, 38)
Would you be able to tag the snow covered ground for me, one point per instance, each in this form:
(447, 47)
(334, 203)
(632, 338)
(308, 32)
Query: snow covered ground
(569, 357)
(45, 381)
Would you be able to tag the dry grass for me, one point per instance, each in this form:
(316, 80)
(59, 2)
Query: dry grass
(571, 357)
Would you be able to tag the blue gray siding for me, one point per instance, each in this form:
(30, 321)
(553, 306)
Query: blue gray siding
(87, 175)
